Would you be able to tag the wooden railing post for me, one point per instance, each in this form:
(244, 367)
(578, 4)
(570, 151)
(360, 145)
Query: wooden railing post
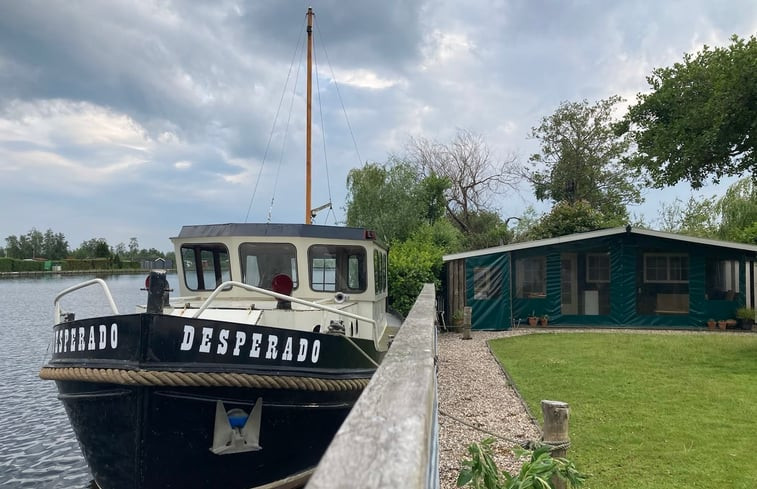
(556, 416)
(467, 318)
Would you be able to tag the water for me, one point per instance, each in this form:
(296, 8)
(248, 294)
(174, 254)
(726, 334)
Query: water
(37, 446)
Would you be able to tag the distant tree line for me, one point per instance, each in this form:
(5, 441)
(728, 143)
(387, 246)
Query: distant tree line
(54, 246)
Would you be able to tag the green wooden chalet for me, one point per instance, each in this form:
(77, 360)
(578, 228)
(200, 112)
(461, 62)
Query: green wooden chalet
(610, 277)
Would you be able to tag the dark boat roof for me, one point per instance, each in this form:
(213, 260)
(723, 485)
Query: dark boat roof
(273, 229)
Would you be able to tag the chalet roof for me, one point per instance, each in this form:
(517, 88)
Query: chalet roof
(599, 234)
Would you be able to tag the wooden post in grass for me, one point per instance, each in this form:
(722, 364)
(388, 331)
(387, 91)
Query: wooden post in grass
(555, 432)
(467, 313)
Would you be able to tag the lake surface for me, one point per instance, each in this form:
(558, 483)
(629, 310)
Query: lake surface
(37, 446)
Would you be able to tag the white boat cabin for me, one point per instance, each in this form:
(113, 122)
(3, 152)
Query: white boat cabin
(320, 269)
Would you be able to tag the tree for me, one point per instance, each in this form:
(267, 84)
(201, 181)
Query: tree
(54, 245)
(696, 217)
(133, 247)
(569, 218)
(393, 199)
(738, 212)
(93, 248)
(580, 159)
(474, 177)
(13, 247)
(700, 119)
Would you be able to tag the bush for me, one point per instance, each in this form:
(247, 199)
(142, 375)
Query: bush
(411, 264)
(28, 266)
(537, 471)
(6, 264)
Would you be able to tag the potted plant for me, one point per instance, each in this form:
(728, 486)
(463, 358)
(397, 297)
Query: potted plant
(533, 319)
(711, 323)
(746, 315)
(721, 324)
(544, 321)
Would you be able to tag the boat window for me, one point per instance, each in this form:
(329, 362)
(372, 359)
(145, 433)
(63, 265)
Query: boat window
(337, 268)
(206, 266)
(261, 262)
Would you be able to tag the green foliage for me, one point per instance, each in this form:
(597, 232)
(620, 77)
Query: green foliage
(699, 120)
(481, 472)
(485, 229)
(660, 412)
(738, 212)
(393, 199)
(35, 244)
(566, 218)
(28, 266)
(745, 313)
(6, 264)
(697, 217)
(92, 248)
(580, 159)
(413, 263)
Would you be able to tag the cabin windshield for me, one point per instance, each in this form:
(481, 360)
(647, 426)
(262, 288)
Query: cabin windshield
(261, 262)
(337, 268)
(206, 266)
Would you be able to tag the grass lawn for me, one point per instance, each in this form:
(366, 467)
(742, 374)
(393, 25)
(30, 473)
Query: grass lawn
(647, 410)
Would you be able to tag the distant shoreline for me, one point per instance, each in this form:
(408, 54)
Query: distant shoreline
(130, 271)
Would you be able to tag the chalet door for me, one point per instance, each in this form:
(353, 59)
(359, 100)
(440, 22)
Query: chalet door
(568, 283)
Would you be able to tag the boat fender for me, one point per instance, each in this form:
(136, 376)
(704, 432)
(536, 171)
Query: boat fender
(340, 297)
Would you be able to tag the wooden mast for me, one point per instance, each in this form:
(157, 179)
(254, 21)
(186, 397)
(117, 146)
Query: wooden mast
(308, 136)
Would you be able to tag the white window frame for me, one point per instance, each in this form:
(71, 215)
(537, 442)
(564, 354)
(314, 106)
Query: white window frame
(589, 269)
(667, 257)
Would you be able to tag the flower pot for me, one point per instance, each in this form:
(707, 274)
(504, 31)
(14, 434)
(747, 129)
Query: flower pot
(544, 322)
(533, 321)
(711, 324)
(722, 324)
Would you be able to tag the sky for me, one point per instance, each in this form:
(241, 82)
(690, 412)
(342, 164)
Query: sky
(125, 119)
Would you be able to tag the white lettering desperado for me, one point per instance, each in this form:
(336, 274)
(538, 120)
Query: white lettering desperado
(93, 338)
(252, 345)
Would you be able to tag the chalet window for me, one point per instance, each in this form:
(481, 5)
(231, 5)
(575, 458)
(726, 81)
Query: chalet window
(666, 268)
(721, 279)
(597, 267)
(531, 277)
(337, 268)
(205, 266)
(487, 283)
(261, 262)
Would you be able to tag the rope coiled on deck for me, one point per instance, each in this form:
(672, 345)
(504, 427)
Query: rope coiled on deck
(199, 379)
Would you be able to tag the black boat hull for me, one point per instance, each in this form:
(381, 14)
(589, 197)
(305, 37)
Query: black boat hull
(160, 436)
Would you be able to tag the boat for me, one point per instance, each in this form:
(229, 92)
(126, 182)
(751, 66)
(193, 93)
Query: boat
(241, 377)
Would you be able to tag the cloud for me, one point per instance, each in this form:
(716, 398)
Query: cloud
(163, 112)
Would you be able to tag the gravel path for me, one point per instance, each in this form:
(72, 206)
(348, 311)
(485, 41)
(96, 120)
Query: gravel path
(472, 387)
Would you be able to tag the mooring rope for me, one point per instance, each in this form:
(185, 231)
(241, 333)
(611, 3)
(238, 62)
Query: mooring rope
(199, 379)
(528, 444)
